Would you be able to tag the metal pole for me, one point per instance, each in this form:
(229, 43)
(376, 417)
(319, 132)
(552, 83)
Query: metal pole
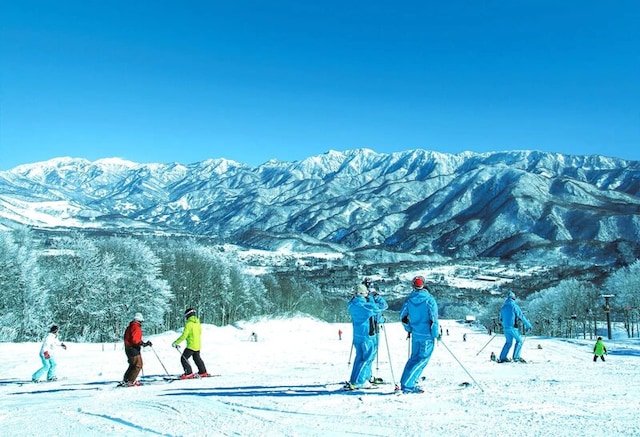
(393, 378)
(378, 354)
(490, 340)
(607, 311)
(463, 368)
(161, 363)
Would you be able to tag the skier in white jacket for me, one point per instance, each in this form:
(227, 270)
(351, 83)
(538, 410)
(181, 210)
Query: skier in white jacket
(47, 355)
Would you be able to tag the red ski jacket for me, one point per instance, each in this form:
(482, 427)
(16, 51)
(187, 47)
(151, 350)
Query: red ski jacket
(133, 334)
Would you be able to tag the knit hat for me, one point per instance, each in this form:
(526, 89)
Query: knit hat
(418, 282)
(360, 290)
(511, 295)
(138, 317)
(54, 329)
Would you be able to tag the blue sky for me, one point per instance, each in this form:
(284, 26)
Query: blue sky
(168, 81)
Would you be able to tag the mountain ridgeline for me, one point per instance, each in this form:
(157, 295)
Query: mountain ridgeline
(516, 205)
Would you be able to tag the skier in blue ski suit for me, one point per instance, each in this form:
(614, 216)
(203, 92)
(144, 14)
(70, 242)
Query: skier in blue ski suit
(509, 314)
(419, 315)
(363, 339)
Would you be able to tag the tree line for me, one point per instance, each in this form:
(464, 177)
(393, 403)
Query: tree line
(578, 309)
(92, 286)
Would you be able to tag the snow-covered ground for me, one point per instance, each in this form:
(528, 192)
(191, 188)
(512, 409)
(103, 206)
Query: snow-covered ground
(289, 384)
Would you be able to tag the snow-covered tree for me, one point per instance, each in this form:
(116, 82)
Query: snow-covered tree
(624, 284)
(24, 313)
(564, 310)
(205, 279)
(136, 285)
(97, 285)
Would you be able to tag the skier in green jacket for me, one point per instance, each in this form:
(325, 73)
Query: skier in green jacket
(192, 332)
(599, 350)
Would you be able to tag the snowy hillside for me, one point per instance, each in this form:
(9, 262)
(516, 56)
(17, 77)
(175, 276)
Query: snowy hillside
(289, 384)
(518, 204)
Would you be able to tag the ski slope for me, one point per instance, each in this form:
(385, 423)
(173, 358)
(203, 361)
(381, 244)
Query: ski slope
(288, 383)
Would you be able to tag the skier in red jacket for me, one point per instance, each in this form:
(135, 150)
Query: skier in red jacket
(132, 345)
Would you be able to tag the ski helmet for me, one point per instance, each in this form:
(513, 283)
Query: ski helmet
(54, 329)
(189, 312)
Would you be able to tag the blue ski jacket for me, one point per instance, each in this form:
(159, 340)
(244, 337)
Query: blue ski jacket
(382, 304)
(510, 312)
(422, 312)
(361, 311)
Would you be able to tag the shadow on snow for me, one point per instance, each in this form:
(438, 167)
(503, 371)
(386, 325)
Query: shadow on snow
(272, 391)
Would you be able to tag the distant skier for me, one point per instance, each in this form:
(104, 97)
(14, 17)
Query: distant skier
(339, 334)
(363, 339)
(132, 345)
(47, 355)
(419, 316)
(192, 333)
(509, 315)
(599, 350)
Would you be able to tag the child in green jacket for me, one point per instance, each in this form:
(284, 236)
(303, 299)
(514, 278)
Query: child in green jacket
(599, 350)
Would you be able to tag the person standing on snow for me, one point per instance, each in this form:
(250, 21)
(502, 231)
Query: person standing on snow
(363, 339)
(599, 350)
(192, 333)
(47, 355)
(375, 321)
(132, 345)
(509, 314)
(419, 316)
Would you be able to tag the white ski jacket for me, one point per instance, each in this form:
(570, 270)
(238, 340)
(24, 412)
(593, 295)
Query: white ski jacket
(50, 344)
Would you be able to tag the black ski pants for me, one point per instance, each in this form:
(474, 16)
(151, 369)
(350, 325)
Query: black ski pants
(188, 353)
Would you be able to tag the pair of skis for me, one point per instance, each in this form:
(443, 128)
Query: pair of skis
(179, 378)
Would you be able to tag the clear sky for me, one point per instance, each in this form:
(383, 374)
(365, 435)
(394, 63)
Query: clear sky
(184, 81)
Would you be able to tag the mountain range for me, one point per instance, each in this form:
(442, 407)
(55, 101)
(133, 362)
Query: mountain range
(515, 205)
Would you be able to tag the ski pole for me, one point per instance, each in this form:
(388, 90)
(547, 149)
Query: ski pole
(161, 363)
(490, 340)
(463, 368)
(183, 360)
(377, 354)
(350, 353)
(393, 378)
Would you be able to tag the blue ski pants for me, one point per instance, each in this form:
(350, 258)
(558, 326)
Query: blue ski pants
(511, 334)
(48, 366)
(365, 353)
(421, 351)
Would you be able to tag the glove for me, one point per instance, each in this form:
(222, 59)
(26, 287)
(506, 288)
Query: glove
(147, 344)
(46, 355)
(405, 320)
(176, 345)
(64, 346)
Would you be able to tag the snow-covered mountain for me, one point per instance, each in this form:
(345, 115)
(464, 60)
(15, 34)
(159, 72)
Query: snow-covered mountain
(518, 204)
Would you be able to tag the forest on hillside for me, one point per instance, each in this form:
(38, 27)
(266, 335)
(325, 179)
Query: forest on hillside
(91, 285)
